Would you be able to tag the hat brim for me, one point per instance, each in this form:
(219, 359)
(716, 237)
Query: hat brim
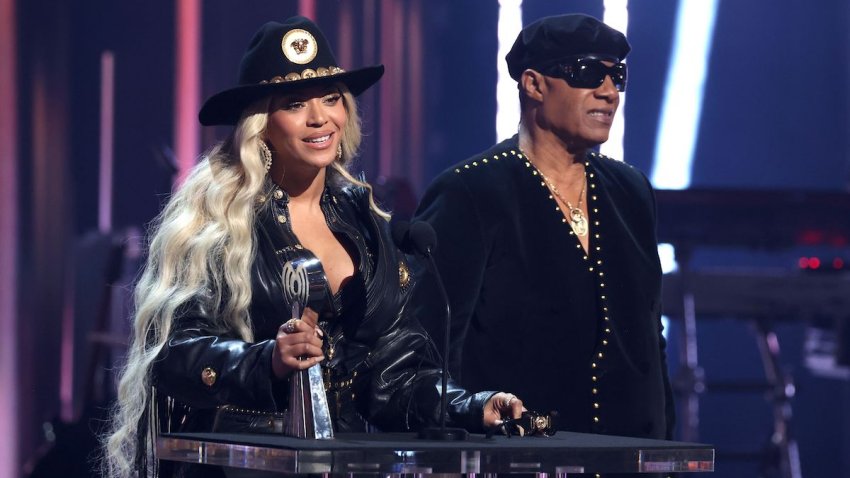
(226, 107)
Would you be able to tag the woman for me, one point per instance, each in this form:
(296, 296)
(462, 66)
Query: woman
(208, 341)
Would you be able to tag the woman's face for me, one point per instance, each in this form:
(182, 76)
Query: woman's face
(305, 127)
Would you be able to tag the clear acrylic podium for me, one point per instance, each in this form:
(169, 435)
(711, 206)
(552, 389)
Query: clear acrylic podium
(402, 453)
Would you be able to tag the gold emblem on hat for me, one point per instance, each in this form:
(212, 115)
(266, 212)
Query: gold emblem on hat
(299, 46)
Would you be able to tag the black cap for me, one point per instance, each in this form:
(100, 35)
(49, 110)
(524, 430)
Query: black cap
(554, 38)
(280, 58)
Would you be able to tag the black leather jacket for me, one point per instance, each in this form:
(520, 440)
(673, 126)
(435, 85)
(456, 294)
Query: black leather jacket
(381, 368)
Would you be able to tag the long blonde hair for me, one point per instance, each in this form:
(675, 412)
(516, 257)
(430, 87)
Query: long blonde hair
(202, 245)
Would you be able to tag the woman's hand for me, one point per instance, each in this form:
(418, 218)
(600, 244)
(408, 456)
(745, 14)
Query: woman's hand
(501, 406)
(298, 345)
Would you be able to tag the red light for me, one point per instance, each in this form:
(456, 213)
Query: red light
(838, 263)
(803, 262)
(837, 240)
(810, 237)
(814, 262)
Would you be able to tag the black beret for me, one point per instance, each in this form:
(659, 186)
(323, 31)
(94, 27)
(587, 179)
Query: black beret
(550, 39)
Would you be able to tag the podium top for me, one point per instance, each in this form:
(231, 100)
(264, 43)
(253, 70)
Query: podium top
(404, 453)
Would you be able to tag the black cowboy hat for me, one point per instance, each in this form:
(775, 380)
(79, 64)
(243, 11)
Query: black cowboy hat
(281, 57)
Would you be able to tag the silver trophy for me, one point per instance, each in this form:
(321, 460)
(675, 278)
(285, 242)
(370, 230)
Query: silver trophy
(305, 285)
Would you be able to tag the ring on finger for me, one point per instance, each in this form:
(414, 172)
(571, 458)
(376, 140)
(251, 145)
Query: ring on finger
(290, 326)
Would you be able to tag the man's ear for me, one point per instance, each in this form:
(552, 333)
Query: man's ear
(531, 84)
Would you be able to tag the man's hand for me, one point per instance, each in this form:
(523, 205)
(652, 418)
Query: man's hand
(501, 406)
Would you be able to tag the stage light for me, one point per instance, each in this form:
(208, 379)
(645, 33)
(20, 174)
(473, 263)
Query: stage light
(815, 263)
(616, 16)
(667, 255)
(680, 112)
(507, 104)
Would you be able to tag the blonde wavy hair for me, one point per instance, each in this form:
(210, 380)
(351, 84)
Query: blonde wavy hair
(202, 244)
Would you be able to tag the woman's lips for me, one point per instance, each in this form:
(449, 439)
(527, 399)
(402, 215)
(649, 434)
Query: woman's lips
(321, 141)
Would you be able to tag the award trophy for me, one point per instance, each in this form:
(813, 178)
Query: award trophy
(305, 285)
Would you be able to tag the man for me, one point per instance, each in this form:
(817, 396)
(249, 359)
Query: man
(548, 249)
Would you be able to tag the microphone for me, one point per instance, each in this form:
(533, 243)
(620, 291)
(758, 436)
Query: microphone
(423, 237)
(420, 239)
(400, 230)
(417, 238)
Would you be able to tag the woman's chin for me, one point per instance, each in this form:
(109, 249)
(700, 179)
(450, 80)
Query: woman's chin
(314, 159)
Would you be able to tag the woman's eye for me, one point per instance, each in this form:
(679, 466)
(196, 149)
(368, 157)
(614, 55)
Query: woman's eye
(332, 99)
(293, 105)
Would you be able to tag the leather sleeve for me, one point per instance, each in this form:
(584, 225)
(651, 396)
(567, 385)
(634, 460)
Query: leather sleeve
(406, 383)
(242, 370)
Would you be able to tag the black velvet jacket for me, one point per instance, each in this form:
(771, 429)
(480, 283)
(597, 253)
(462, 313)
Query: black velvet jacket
(565, 330)
(381, 369)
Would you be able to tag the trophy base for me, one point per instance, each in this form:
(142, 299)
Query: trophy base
(443, 434)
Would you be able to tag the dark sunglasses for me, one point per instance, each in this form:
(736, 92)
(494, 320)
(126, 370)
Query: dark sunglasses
(589, 72)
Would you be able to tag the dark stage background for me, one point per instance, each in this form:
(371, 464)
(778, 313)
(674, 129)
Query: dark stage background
(775, 118)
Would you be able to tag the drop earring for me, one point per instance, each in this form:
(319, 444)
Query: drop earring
(266, 154)
(339, 152)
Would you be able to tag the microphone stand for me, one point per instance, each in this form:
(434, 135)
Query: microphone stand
(443, 433)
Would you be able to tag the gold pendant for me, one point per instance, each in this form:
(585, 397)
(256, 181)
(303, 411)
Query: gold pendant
(578, 222)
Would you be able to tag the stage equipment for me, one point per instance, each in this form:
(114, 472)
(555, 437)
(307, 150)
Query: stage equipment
(769, 220)
(419, 238)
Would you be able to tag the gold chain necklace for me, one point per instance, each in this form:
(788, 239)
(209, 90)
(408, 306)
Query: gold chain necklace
(578, 221)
